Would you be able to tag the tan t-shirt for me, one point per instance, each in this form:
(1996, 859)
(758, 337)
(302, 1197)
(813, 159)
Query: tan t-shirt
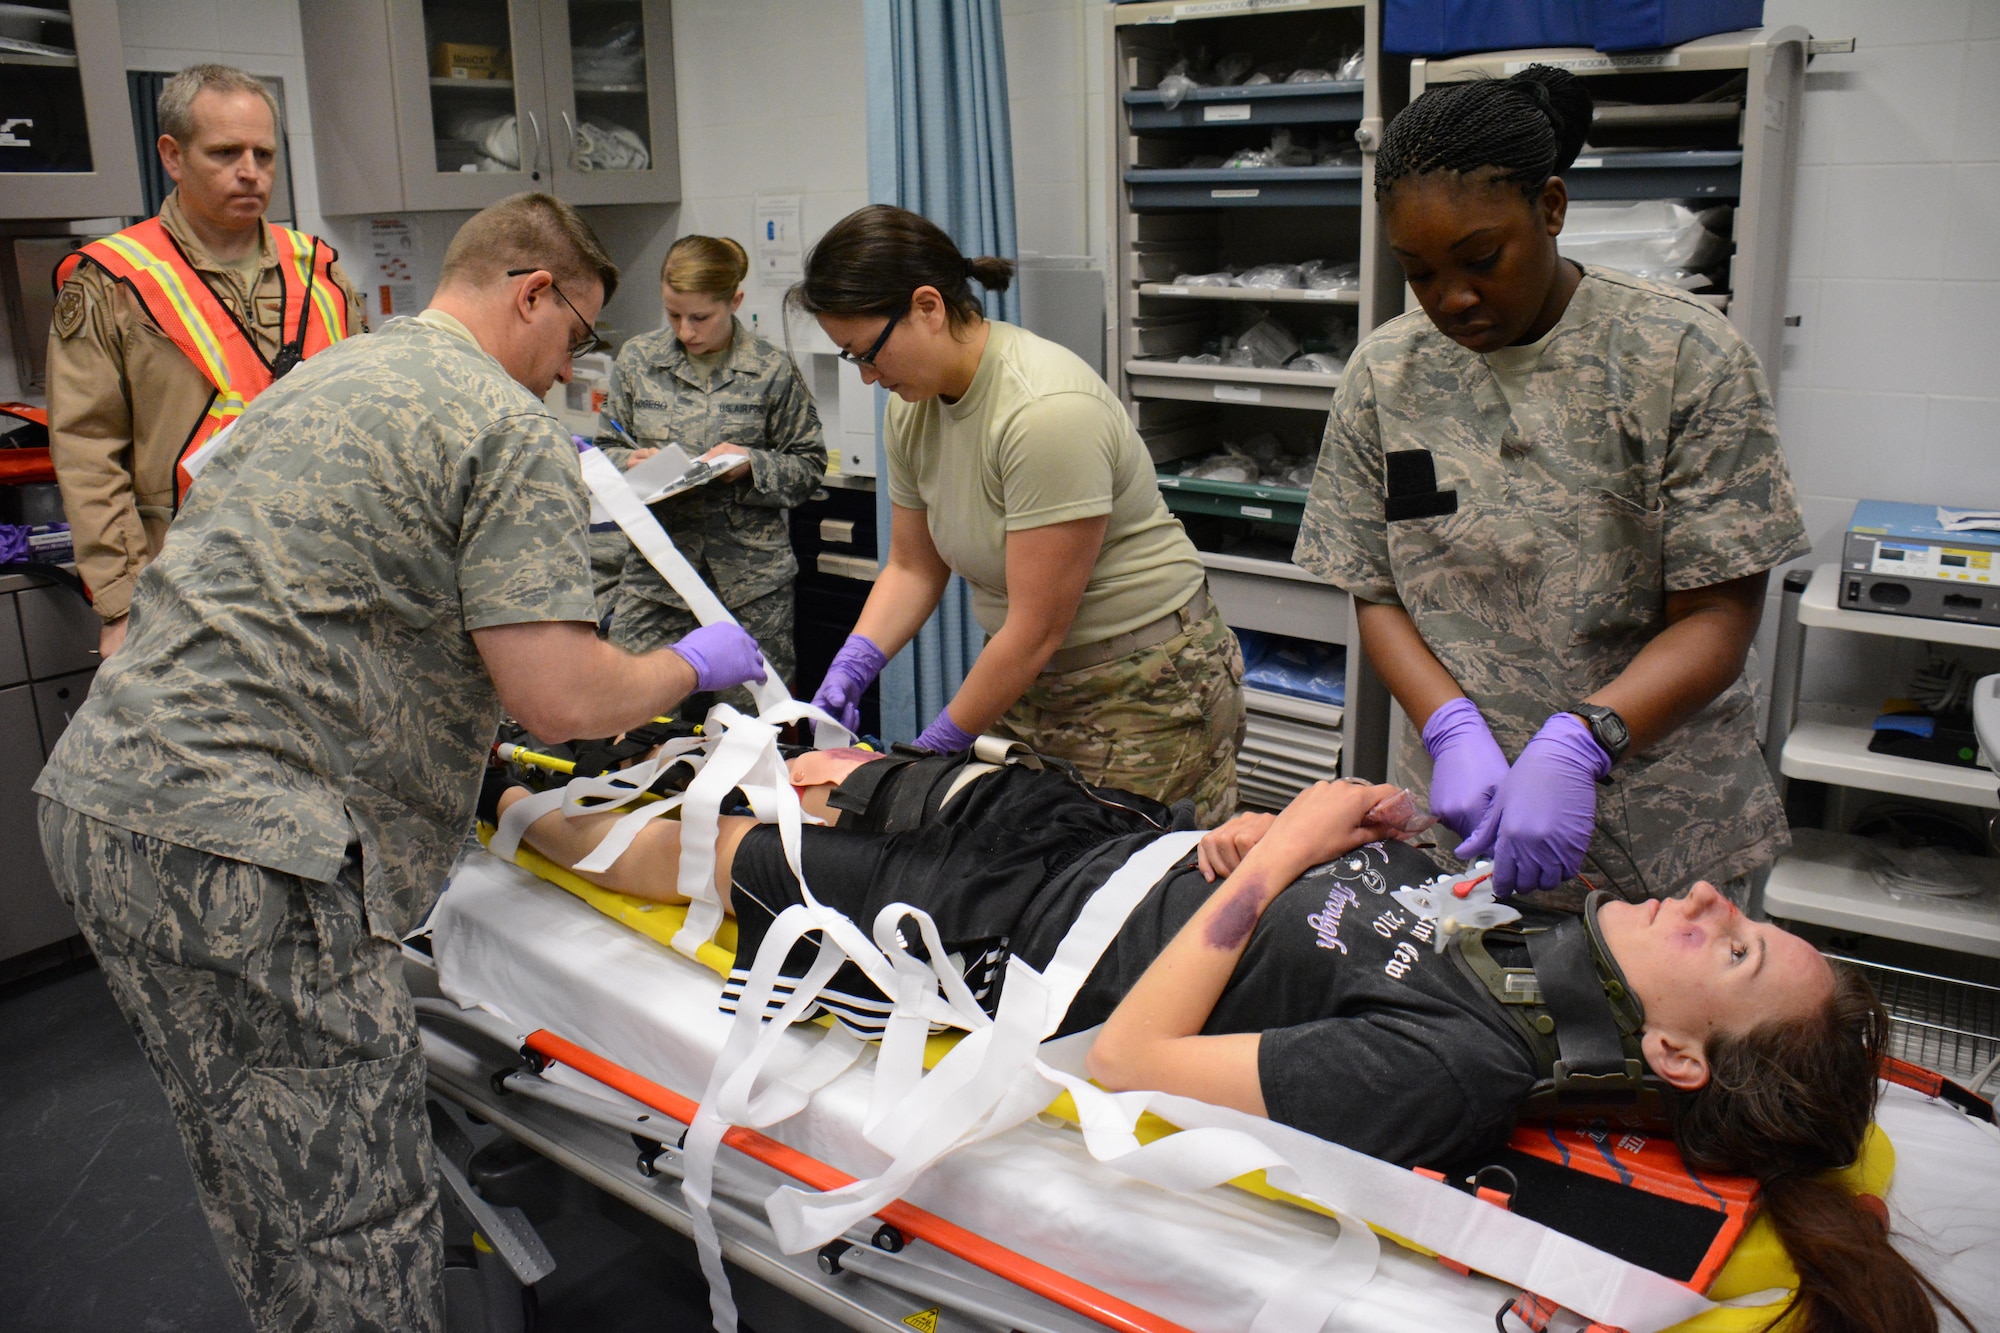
(1039, 439)
(707, 362)
(1512, 366)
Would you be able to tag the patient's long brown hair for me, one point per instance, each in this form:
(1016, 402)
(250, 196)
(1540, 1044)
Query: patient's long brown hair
(1788, 1102)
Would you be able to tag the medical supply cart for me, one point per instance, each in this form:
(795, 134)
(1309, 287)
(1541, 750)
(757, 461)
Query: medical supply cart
(1935, 960)
(48, 655)
(1177, 209)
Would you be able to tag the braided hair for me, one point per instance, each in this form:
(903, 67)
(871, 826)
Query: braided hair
(1526, 128)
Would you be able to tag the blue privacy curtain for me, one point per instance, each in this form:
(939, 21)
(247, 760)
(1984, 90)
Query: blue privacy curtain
(939, 145)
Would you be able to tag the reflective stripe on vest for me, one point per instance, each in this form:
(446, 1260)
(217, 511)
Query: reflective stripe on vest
(149, 262)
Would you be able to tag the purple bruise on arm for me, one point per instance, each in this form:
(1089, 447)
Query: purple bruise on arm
(1236, 917)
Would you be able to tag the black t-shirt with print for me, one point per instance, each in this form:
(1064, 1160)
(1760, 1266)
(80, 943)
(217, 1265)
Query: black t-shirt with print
(1372, 1038)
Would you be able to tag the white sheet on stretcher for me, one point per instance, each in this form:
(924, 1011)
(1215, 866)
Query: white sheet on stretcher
(540, 957)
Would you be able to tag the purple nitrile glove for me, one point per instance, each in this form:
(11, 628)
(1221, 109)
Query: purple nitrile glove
(722, 655)
(1466, 765)
(1539, 826)
(848, 677)
(944, 736)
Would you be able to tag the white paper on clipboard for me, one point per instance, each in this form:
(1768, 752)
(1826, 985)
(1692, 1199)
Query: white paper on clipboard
(668, 472)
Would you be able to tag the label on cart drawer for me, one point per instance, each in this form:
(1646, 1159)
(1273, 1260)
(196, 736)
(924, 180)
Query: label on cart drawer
(1233, 111)
(1234, 194)
(1255, 511)
(1238, 393)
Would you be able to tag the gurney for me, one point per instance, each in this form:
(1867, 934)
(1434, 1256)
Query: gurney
(537, 958)
(539, 993)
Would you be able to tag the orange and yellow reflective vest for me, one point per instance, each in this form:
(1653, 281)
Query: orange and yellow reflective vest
(149, 262)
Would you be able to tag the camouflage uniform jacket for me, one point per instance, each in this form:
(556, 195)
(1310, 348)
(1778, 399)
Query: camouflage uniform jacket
(756, 399)
(300, 673)
(123, 400)
(1642, 460)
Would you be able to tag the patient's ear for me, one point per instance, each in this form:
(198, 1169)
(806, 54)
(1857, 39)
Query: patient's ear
(1678, 1060)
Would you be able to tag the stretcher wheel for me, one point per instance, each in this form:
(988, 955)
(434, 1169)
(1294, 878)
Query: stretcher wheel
(887, 1239)
(829, 1256)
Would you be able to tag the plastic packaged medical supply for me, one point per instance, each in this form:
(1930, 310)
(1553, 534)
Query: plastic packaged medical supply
(1272, 275)
(1323, 363)
(1176, 86)
(497, 137)
(1249, 158)
(601, 146)
(1320, 275)
(1233, 68)
(1310, 76)
(613, 57)
(1223, 278)
(1225, 466)
(1266, 343)
(1354, 68)
(1650, 237)
(1297, 667)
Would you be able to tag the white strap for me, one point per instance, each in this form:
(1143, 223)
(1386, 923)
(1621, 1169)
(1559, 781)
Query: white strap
(514, 820)
(899, 1064)
(988, 1082)
(619, 500)
(624, 832)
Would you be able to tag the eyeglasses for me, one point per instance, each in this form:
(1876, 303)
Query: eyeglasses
(590, 342)
(867, 358)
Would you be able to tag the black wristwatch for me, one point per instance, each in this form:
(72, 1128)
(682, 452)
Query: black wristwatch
(1606, 728)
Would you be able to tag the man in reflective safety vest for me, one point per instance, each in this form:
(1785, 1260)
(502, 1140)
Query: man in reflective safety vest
(165, 331)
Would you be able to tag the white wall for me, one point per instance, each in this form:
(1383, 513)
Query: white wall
(1890, 387)
(772, 101)
(1056, 97)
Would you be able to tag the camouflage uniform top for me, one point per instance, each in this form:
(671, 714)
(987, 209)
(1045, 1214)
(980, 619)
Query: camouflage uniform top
(300, 673)
(755, 398)
(1643, 459)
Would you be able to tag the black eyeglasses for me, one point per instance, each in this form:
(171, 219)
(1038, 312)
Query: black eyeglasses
(867, 358)
(590, 342)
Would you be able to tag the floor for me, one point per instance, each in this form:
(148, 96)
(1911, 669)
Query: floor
(101, 1232)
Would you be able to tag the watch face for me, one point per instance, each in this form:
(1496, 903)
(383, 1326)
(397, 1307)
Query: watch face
(1610, 730)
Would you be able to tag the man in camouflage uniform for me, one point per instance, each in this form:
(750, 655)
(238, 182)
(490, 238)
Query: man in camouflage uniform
(269, 782)
(1639, 459)
(1128, 716)
(124, 399)
(754, 403)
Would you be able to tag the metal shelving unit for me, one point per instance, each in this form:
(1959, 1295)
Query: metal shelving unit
(1944, 994)
(1169, 218)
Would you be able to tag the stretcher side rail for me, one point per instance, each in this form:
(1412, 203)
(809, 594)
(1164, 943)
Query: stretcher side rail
(596, 1146)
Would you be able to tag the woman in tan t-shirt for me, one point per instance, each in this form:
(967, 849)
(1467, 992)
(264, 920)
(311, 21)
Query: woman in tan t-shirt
(1011, 464)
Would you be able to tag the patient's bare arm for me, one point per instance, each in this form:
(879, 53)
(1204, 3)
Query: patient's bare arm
(650, 867)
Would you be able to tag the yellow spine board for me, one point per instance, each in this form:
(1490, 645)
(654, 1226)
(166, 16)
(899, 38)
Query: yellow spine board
(1758, 1263)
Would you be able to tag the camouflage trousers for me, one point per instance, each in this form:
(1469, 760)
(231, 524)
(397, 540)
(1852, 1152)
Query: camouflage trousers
(286, 1041)
(1164, 721)
(641, 624)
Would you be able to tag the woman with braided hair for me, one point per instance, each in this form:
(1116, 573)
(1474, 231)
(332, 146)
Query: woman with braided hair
(1555, 493)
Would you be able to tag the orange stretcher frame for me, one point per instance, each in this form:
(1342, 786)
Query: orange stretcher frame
(947, 1236)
